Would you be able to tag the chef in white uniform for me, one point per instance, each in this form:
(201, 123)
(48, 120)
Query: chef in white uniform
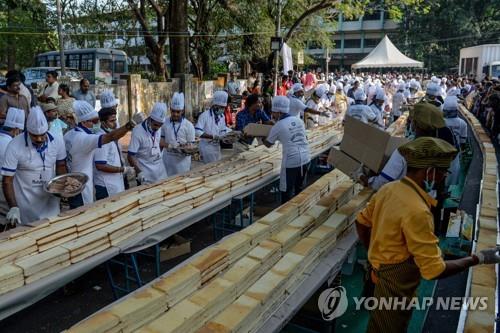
(291, 133)
(175, 132)
(211, 128)
(144, 151)
(13, 126)
(459, 128)
(314, 106)
(359, 110)
(109, 170)
(81, 143)
(32, 159)
(377, 107)
(398, 100)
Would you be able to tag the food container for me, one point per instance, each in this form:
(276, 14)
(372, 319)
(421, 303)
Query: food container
(59, 185)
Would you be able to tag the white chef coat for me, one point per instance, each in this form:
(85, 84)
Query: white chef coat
(363, 113)
(81, 144)
(297, 106)
(5, 139)
(459, 128)
(110, 154)
(211, 124)
(31, 170)
(394, 169)
(175, 134)
(291, 132)
(397, 103)
(145, 146)
(380, 115)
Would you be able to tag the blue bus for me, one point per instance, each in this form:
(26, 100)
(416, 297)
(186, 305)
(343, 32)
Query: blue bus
(96, 65)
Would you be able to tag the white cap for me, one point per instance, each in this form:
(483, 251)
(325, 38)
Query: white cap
(401, 86)
(220, 98)
(296, 87)
(450, 103)
(340, 86)
(414, 84)
(15, 118)
(37, 123)
(380, 94)
(177, 101)
(467, 87)
(433, 89)
(320, 91)
(359, 95)
(84, 111)
(159, 112)
(444, 80)
(453, 91)
(280, 104)
(108, 99)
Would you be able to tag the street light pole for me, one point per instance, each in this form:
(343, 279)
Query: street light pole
(277, 52)
(60, 35)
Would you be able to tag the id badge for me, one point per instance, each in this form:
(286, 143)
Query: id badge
(155, 152)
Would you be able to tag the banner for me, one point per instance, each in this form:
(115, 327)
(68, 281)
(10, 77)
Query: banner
(286, 53)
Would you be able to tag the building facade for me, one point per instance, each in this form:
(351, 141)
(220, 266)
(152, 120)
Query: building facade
(354, 39)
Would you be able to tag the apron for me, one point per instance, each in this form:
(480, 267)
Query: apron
(396, 280)
(33, 202)
(210, 152)
(452, 178)
(151, 164)
(176, 163)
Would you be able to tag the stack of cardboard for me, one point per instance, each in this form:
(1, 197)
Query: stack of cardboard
(179, 284)
(210, 263)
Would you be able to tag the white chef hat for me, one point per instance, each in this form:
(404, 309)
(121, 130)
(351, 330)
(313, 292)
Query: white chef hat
(297, 87)
(15, 118)
(450, 103)
(444, 79)
(433, 89)
(108, 99)
(453, 91)
(380, 95)
(281, 104)
(84, 111)
(359, 95)
(320, 91)
(177, 101)
(158, 112)
(414, 84)
(37, 123)
(401, 86)
(340, 86)
(220, 98)
(467, 87)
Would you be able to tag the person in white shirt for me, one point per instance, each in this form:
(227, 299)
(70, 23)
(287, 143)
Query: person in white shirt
(31, 160)
(398, 100)
(144, 151)
(314, 105)
(359, 110)
(233, 87)
(109, 170)
(52, 87)
(13, 126)
(211, 128)
(459, 128)
(377, 107)
(81, 143)
(297, 106)
(177, 131)
(291, 133)
(57, 127)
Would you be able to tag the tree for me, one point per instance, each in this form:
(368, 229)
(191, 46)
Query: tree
(179, 36)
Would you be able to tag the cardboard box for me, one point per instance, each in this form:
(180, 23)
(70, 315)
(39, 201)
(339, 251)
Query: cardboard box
(177, 246)
(343, 162)
(367, 144)
(257, 130)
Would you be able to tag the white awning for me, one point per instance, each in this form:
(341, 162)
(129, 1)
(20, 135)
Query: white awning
(386, 55)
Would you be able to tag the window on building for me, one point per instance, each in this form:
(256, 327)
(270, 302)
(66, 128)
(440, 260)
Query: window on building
(462, 67)
(87, 62)
(352, 43)
(338, 43)
(105, 65)
(373, 15)
(314, 45)
(468, 66)
(474, 64)
(119, 66)
(73, 61)
(42, 61)
(371, 42)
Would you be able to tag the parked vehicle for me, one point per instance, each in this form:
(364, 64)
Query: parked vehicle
(480, 61)
(96, 65)
(36, 75)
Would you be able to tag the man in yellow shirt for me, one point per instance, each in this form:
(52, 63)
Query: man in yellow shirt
(397, 229)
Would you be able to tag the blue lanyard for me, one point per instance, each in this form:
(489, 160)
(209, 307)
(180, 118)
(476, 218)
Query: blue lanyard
(284, 116)
(216, 116)
(178, 128)
(40, 150)
(146, 128)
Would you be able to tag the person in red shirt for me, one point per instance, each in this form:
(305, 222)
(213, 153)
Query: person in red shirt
(283, 88)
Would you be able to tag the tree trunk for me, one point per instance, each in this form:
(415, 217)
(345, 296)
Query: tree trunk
(179, 44)
(158, 63)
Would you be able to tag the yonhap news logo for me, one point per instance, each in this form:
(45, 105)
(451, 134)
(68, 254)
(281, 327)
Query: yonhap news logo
(333, 303)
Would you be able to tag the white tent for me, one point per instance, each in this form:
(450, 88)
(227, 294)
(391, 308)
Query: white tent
(386, 55)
